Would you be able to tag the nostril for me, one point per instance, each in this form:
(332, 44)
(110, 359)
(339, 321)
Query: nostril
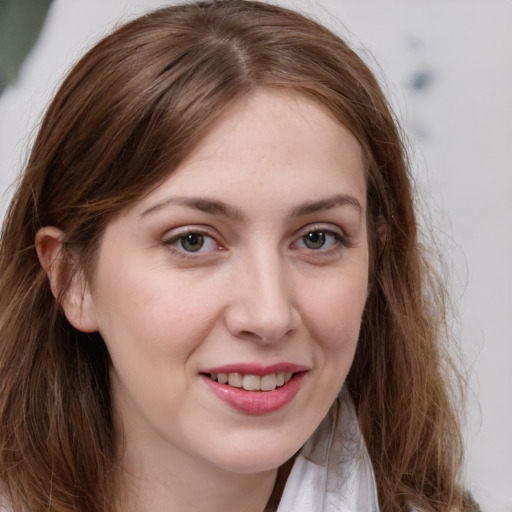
(250, 335)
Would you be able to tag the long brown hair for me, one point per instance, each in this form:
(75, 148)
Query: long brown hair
(127, 114)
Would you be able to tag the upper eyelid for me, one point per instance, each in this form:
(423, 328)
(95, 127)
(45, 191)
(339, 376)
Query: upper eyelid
(178, 232)
(327, 227)
(210, 231)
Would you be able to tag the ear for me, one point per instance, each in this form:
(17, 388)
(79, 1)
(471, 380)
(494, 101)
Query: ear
(69, 287)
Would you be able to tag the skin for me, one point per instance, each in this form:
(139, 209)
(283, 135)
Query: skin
(256, 291)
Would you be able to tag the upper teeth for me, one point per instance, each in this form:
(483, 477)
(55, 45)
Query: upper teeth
(253, 382)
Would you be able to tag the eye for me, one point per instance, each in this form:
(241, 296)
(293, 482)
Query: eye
(192, 242)
(318, 239)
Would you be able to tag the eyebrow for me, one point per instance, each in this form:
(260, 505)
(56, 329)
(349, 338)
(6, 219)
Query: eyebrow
(216, 207)
(326, 204)
(202, 204)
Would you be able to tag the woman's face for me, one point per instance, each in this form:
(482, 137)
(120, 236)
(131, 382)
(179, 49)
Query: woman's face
(248, 264)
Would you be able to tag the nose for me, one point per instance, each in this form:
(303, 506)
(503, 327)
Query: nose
(262, 303)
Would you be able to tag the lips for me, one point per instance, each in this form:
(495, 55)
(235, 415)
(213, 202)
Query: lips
(254, 389)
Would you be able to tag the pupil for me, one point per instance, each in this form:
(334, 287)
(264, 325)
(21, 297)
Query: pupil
(314, 240)
(192, 242)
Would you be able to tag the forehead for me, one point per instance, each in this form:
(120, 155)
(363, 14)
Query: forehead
(274, 137)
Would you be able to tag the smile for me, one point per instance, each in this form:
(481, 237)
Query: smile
(251, 382)
(255, 390)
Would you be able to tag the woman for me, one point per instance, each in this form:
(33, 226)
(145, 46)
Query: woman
(212, 295)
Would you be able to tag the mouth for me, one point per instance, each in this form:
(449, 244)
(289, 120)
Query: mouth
(251, 382)
(256, 389)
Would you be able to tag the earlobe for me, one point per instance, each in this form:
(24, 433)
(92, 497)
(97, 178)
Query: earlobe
(69, 287)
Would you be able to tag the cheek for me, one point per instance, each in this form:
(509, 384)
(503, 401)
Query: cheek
(333, 313)
(152, 313)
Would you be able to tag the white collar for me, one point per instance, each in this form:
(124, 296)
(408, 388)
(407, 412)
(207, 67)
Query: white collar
(333, 471)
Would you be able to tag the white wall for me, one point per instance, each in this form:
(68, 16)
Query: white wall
(448, 69)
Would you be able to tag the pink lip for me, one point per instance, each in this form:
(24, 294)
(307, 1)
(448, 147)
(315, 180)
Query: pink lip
(256, 402)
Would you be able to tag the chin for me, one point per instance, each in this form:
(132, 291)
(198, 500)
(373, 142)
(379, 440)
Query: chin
(256, 458)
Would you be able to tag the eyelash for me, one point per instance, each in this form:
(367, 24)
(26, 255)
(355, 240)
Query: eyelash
(170, 242)
(182, 235)
(338, 239)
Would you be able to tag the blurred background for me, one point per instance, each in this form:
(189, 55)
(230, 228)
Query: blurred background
(447, 68)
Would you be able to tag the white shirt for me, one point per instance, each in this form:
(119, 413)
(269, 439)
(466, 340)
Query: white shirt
(333, 471)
